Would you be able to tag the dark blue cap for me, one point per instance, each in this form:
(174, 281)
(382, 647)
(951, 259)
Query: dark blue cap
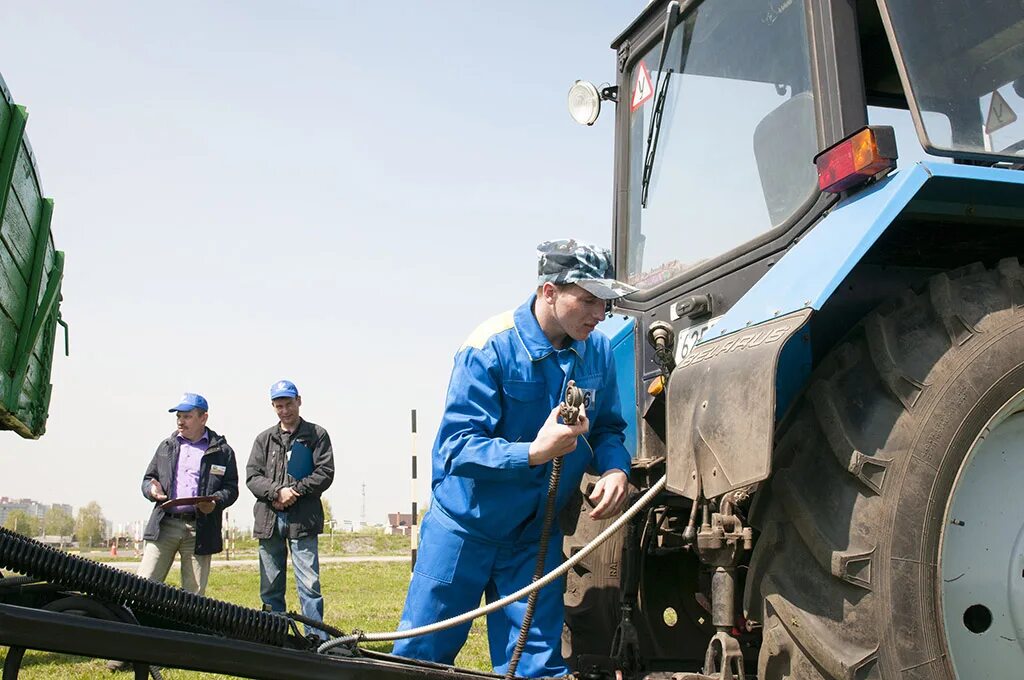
(190, 401)
(283, 388)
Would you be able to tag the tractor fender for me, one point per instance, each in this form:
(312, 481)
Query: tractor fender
(725, 394)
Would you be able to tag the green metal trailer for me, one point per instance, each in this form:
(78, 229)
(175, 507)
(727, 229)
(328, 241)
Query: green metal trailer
(31, 271)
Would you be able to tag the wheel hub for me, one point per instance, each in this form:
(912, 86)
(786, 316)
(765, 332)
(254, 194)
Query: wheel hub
(982, 555)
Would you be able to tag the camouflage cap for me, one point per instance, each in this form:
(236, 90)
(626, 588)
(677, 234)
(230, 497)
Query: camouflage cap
(589, 267)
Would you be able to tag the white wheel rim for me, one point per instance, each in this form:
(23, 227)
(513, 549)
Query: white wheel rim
(982, 553)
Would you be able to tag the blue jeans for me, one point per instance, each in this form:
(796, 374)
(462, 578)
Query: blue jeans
(274, 569)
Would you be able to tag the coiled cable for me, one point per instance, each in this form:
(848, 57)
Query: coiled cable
(26, 556)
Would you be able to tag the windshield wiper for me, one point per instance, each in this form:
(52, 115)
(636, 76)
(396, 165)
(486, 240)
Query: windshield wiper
(660, 88)
(652, 137)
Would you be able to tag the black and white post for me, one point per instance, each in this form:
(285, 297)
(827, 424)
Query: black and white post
(414, 529)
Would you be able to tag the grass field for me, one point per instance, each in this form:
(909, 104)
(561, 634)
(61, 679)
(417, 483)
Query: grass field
(244, 547)
(363, 595)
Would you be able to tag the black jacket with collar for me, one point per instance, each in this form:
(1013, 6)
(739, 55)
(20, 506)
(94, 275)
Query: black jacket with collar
(267, 473)
(223, 487)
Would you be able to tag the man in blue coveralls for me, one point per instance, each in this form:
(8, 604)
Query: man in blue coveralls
(492, 459)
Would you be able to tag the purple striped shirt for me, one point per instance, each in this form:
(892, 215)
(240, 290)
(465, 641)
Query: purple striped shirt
(186, 479)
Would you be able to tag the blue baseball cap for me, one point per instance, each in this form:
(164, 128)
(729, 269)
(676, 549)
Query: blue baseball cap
(283, 388)
(190, 401)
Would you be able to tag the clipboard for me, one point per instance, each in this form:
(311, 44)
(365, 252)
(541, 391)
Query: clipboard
(188, 500)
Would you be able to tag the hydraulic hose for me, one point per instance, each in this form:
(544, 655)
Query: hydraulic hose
(538, 572)
(640, 504)
(569, 410)
(26, 556)
(313, 623)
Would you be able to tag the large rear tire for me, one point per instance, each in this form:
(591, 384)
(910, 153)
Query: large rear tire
(846, 575)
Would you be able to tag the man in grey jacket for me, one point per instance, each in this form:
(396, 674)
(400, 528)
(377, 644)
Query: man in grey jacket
(193, 462)
(290, 466)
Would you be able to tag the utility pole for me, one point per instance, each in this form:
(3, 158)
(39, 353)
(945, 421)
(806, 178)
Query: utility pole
(414, 525)
(362, 516)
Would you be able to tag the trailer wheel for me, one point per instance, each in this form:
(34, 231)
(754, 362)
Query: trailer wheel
(892, 531)
(78, 606)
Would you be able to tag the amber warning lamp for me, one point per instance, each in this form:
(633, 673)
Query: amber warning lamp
(867, 153)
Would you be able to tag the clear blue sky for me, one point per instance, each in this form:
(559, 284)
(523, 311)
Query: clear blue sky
(331, 192)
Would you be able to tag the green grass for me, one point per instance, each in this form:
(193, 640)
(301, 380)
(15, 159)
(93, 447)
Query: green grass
(244, 547)
(364, 595)
(368, 543)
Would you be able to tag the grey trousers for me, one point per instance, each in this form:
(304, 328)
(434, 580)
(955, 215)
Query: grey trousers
(177, 536)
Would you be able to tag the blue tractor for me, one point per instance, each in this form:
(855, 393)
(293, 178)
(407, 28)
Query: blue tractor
(822, 204)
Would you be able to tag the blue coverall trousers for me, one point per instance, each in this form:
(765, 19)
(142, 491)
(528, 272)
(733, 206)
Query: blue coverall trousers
(453, 572)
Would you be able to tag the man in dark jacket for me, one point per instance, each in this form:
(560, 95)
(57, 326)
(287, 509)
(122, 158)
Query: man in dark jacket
(290, 466)
(194, 461)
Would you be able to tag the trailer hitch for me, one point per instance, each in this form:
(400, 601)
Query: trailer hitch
(721, 541)
(724, 659)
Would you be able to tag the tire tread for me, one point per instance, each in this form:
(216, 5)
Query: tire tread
(817, 574)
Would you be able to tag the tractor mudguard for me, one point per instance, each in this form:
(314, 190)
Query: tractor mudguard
(725, 393)
(722, 400)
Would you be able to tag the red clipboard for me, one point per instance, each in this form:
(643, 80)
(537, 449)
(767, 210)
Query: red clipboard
(188, 500)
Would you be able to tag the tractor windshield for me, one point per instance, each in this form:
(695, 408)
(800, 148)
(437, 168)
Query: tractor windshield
(964, 62)
(720, 138)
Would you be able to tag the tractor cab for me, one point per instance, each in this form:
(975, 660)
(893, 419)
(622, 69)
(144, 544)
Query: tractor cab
(722, 106)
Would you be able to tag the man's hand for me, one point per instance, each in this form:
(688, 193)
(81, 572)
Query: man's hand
(156, 492)
(608, 494)
(286, 497)
(206, 507)
(556, 439)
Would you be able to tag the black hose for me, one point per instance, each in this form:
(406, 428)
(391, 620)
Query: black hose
(569, 411)
(538, 572)
(313, 623)
(26, 556)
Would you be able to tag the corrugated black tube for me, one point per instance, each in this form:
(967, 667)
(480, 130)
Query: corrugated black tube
(26, 556)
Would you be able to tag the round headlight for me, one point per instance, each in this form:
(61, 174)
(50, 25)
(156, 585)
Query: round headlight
(584, 102)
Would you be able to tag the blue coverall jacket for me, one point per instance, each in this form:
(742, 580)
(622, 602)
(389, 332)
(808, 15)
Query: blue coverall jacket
(487, 506)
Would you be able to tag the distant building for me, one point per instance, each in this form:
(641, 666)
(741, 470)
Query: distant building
(32, 508)
(26, 505)
(399, 523)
